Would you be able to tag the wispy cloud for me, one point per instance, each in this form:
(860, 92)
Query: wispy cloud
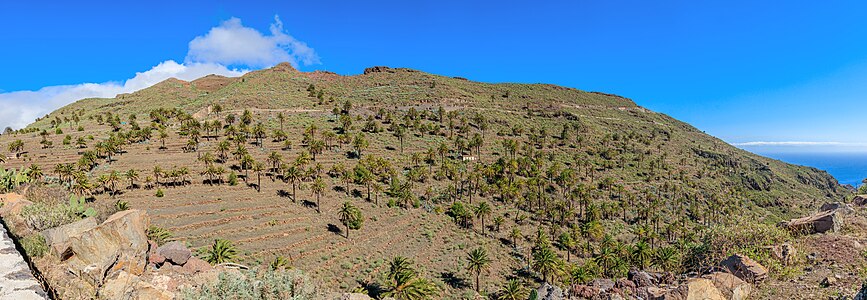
(230, 43)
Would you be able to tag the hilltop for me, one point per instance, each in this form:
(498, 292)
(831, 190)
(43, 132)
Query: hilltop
(417, 155)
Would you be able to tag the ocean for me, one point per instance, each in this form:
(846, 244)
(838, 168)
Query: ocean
(848, 168)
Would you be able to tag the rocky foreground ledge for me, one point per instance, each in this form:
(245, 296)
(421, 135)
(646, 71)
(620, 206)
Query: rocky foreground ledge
(16, 280)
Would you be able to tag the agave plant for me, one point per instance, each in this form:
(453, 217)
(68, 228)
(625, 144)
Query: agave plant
(221, 251)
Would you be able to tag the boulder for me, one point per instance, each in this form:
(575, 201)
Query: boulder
(819, 223)
(641, 278)
(745, 268)
(785, 253)
(175, 252)
(195, 265)
(119, 243)
(860, 200)
(695, 289)
(842, 207)
(602, 284)
(625, 285)
(58, 237)
(127, 286)
(549, 292)
(584, 291)
(355, 296)
(730, 286)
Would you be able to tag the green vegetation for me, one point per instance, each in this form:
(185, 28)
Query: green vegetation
(221, 251)
(34, 245)
(255, 284)
(554, 183)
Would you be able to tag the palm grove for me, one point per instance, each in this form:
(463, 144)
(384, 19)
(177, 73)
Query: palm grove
(555, 191)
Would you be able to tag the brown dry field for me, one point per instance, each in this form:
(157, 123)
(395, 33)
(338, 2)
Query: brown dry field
(264, 224)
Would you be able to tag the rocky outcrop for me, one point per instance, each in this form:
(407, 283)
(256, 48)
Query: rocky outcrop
(378, 69)
(842, 207)
(745, 268)
(58, 237)
(730, 286)
(118, 244)
(695, 288)
(16, 281)
(826, 221)
(860, 200)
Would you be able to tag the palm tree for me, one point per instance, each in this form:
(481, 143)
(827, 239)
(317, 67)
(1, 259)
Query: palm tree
(113, 177)
(318, 189)
(350, 216)
(515, 235)
(513, 290)
(157, 172)
(641, 254)
(405, 284)
(132, 176)
(666, 258)
(258, 167)
(35, 172)
(293, 174)
(281, 118)
(359, 143)
(482, 211)
(221, 251)
(477, 261)
(545, 261)
(400, 133)
(566, 243)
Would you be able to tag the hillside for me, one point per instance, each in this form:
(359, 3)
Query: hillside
(417, 153)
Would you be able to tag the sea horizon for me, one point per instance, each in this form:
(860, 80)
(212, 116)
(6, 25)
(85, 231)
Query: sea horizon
(847, 167)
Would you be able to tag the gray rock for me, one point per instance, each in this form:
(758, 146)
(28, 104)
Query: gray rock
(641, 278)
(16, 280)
(842, 207)
(175, 252)
(603, 284)
(745, 268)
(549, 292)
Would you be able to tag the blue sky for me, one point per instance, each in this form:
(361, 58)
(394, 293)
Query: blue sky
(780, 75)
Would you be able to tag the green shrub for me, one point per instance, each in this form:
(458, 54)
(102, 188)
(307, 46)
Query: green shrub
(34, 245)
(160, 193)
(233, 179)
(253, 284)
(41, 216)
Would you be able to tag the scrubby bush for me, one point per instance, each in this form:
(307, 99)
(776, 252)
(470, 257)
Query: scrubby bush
(41, 216)
(255, 284)
(34, 245)
(160, 193)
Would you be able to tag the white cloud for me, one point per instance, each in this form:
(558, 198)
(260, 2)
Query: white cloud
(233, 44)
(22, 107)
(230, 43)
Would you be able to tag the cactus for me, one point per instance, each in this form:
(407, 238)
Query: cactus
(78, 205)
(10, 179)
